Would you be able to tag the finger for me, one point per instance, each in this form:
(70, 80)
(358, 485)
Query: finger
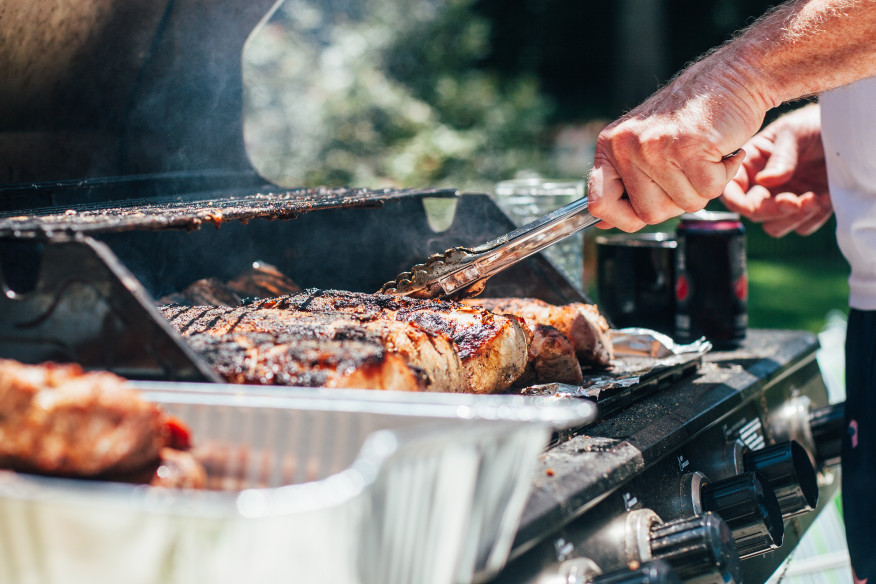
(675, 183)
(781, 163)
(782, 227)
(812, 225)
(651, 203)
(605, 191)
(709, 178)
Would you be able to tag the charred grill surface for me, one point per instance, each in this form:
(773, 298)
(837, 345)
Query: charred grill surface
(493, 348)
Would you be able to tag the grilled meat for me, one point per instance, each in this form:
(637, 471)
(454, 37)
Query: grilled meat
(581, 323)
(262, 280)
(59, 420)
(551, 358)
(493, 348)
(177, 469)
(260, 358)
(376, 354)
(205, 292)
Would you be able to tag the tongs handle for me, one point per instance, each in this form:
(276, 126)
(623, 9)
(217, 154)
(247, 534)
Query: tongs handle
(463, 271)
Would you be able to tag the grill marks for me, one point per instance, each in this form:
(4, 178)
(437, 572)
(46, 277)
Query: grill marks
(265, 345)
(492, 348)
(444, 346)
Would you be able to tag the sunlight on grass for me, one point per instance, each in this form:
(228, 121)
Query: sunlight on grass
(795, 293)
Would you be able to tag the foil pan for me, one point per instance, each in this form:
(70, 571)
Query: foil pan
(305, 487)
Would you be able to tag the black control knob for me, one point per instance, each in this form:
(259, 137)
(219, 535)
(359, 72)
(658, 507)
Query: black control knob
(699, 549)
(749, 506)
(653, 572)
(788, 470)
(828, 427)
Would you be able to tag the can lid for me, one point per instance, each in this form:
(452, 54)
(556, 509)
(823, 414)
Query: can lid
(710, 216)
(655, 239)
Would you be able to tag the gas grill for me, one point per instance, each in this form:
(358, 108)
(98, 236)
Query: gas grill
(709, 470)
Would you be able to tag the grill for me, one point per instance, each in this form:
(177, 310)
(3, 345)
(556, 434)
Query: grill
(693, 471)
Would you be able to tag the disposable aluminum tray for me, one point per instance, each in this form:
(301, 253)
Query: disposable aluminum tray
(354, 486)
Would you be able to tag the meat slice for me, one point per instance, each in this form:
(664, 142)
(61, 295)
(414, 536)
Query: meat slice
(493, 348)
(263, 280)
(175, 469)
(58, 420)
(584, 326)
(259, 358)
(551, 358)
(376, 354)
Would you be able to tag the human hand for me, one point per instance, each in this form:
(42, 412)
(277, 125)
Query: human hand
(667, 156)
(783, 181)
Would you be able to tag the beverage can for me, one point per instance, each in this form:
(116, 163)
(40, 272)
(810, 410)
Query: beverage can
(711, 286)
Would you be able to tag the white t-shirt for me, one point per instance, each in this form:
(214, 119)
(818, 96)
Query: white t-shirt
(848, 132)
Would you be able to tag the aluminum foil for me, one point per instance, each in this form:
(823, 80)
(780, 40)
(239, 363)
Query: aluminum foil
(642, 357)
(306, 487)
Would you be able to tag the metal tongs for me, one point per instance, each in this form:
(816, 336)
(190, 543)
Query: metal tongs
(463, 272)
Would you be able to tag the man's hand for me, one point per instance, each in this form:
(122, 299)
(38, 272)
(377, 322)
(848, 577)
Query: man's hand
(669, 155)
(783, 181)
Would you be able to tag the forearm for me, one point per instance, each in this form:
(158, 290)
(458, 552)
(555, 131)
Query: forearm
(805, 47)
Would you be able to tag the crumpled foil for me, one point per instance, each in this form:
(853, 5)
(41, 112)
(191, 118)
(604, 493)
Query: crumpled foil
(640, 356)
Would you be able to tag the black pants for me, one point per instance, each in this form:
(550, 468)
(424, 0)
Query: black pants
(859, 444)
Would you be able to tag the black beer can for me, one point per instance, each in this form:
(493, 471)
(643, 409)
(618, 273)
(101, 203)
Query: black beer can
(711, 280)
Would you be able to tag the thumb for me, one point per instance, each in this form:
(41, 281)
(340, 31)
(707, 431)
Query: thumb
(781, 164)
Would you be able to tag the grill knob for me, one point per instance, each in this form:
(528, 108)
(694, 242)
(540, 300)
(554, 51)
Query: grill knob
(788, 470)
(654, 572)
(828, 428)
(749, 506)
(700, 549)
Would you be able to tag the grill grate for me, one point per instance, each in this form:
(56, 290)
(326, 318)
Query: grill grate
(191, 211)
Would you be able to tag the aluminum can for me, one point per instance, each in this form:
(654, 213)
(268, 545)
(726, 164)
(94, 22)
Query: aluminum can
(711, 286)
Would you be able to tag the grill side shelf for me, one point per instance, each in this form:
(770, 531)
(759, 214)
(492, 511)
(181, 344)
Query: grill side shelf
(86, 307)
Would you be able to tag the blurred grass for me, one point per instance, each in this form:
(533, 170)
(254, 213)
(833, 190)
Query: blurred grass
(796, 292)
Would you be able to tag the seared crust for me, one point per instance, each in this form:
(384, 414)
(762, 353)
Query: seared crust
(493, 348)
(59, 420)
(266, 359)
(584, 326)
(369, 354)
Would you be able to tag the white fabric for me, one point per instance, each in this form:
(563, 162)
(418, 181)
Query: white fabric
(848, 131)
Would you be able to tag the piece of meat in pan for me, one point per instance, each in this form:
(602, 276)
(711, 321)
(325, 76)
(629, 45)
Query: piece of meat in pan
(59, 420)
(493, 348)
(583, 325)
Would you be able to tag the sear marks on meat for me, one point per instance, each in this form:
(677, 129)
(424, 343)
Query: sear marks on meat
(58, 420)
(278, 359)
(582, 324)
(378, 354)
(493, 348)
(551, 358)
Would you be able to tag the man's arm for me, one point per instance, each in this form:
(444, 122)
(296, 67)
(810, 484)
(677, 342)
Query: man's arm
(669, 155)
